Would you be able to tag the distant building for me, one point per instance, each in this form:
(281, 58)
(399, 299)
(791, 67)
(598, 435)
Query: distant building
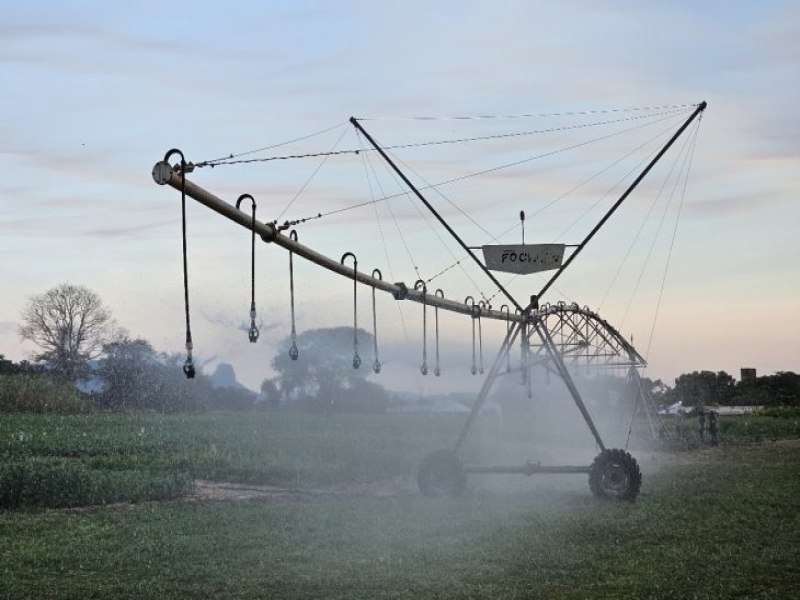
(748, 374)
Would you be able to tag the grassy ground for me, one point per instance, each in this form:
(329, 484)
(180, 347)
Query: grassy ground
(73, 460)
(710, 523)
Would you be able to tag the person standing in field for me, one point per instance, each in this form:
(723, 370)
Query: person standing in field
(701, 415)
(712, 428)
(680, 418)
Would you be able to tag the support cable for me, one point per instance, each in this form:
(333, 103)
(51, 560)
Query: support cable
(225, 159)
(668, 204)
(672, 241)
(391, 211)
(627, 253)
(439, 237)
(233, 159)
(529, 115)
(367, 169)
(417, 193)
(700, 108)
(568, 192)
(496, 238)
(478, 173)
(163, 174)
(311, 177)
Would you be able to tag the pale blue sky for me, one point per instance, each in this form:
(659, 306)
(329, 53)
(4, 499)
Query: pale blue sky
(95, 93)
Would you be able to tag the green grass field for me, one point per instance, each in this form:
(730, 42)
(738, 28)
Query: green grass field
(710, 522)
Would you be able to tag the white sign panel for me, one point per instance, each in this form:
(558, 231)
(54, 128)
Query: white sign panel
(523, 259)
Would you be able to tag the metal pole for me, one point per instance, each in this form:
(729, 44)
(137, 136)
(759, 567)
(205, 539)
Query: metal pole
(270, 234)
(441, 220)
(511, 335)
(700, 108)
(564, 373)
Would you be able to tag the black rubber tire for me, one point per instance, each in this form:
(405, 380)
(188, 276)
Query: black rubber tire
(615, 475)
(442, 474)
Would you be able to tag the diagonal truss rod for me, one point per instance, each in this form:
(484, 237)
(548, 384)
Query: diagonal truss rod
(488, 382)
(553, 355)
(435, 213)
(557, 359)
(270, 234)
(700, 108)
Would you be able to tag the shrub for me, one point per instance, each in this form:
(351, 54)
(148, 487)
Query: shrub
(39, 393)
(783, 412)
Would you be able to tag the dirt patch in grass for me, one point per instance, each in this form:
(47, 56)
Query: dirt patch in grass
(214, 491)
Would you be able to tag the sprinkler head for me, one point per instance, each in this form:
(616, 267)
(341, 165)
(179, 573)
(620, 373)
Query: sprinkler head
(294, 352)
(188, 369)
(376, 366)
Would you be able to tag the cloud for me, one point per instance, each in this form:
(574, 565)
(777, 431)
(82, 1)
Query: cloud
(130, 231)
(215, 82)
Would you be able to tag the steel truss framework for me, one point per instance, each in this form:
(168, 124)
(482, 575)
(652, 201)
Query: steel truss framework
(583, 338)
(551, 335)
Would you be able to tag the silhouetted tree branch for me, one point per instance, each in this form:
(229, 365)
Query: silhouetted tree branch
(70, 325)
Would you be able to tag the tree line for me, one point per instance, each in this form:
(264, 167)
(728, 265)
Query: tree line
(705, 388)
(77, 339)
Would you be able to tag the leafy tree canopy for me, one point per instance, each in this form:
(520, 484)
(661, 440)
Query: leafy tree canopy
(323, 377)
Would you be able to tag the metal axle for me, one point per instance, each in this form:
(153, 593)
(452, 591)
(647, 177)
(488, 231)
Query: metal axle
(529, 468)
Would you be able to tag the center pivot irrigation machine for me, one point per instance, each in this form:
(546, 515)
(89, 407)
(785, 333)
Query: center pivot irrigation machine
(552, 336)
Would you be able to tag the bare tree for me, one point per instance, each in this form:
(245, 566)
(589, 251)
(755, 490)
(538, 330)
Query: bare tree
(70, 325)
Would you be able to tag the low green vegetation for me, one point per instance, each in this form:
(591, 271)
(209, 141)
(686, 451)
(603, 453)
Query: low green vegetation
(760, 427)
(153, 456)
(765, 425)
(39, 393)
(57, 460)
(97, 500)
(714, 523)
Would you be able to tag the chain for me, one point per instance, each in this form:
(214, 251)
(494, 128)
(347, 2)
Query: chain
(481, 306)
(437, 370)
(420, 284)
(188, 365)
(252, 333)
(293, 351)
(376, 366)
(356, 357)
(508, 329)
(471, 301)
